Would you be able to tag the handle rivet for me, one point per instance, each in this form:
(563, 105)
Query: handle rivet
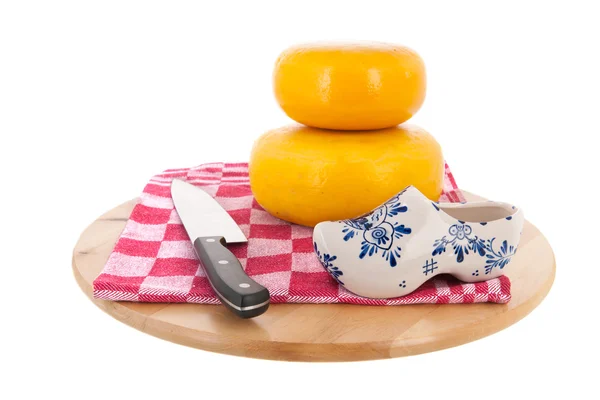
(244, 285)
(223, 262)
(210, 240)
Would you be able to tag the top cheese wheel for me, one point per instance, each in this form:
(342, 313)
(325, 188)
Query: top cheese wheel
(349, 86)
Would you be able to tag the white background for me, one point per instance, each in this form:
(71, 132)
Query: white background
(95, 97)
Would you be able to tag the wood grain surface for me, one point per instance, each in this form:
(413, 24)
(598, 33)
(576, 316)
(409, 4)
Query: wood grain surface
(320, 332)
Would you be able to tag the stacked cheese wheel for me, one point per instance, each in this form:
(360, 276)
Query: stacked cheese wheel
(348, 154)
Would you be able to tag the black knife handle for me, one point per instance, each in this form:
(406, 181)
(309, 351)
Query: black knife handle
(235, 289)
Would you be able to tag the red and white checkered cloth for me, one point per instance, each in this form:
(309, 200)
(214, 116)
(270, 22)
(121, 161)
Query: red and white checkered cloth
(154, 261)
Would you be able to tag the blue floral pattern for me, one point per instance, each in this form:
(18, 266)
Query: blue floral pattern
(500, 258)
(327, 262)
(379, 236)
(462, 241)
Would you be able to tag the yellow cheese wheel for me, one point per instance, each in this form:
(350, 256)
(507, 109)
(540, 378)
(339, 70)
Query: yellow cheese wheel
(307, 175)
(349, 86)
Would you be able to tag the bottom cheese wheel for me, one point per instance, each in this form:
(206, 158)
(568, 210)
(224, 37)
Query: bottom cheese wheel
(307, 175)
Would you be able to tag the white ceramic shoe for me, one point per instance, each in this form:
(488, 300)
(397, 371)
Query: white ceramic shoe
(394, 249)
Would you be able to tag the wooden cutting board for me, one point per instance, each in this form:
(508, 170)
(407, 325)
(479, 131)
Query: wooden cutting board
(320, 332)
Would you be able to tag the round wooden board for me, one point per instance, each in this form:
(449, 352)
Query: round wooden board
(320, 332)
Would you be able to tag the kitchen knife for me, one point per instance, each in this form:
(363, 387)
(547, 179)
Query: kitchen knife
(210, 229)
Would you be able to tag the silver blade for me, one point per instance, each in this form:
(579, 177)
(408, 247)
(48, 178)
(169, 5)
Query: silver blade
(201, 214)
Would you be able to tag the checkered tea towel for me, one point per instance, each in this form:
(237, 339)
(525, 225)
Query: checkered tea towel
(154, 261)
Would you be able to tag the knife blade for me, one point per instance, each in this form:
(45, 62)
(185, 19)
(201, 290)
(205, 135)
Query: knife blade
(210, 229)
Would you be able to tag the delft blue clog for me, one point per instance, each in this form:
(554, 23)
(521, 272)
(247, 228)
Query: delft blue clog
(395, 248)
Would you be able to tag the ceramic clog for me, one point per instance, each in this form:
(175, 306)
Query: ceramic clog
(395, 248)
